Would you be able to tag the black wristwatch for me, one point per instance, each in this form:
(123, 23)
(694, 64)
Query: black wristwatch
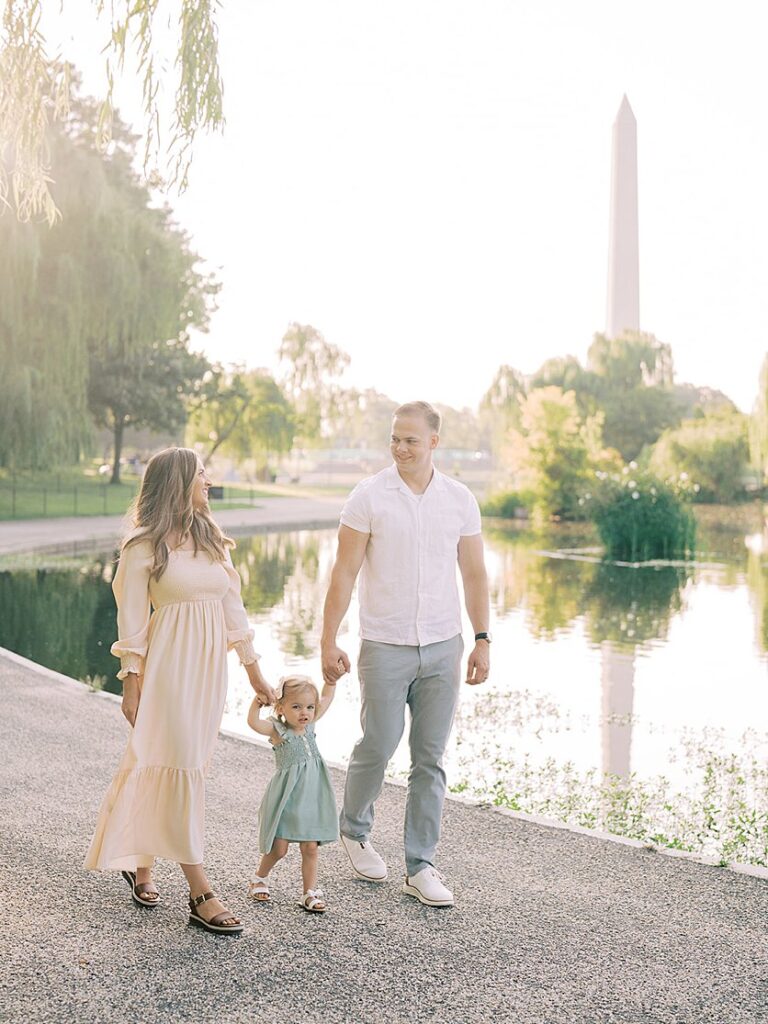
(483, 636)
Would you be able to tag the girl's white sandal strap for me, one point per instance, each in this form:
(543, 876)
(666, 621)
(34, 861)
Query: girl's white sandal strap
(258, 889)
(313, 900)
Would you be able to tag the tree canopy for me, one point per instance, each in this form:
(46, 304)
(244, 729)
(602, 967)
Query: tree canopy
(712, 451)
(36, 91)
(311, 366)
(113, 278)
(242, 414)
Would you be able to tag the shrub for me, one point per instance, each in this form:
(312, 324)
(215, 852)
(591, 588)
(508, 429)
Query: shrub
(507, 504)
(640, 518)
(713, 451)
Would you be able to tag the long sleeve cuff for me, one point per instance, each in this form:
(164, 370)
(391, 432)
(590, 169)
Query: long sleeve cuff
(245, 651)
(130, 663)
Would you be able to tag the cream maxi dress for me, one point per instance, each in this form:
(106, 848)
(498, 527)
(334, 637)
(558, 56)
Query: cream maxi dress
(175, 633)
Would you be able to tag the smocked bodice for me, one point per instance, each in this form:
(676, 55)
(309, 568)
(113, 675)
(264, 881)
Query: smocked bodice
(189, 577)
(295, 748)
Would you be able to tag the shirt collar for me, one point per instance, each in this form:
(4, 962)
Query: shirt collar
(396, 482)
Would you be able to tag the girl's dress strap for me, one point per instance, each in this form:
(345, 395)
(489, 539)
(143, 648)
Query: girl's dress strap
(280, 728)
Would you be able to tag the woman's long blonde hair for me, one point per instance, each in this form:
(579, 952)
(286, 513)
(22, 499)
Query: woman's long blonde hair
(163, 507)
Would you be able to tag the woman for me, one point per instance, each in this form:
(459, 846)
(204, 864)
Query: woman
(178, 612)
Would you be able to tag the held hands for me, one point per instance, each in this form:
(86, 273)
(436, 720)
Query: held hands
(478, 664)
(335, 663)
(265, 695)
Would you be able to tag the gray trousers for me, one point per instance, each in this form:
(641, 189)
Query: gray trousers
(426, 679)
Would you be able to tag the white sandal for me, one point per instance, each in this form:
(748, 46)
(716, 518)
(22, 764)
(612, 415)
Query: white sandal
(313, 901)
(258, 889)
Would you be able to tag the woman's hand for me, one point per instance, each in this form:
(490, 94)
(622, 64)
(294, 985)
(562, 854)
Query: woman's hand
(264, 692)
(131, 696)
(265, 695)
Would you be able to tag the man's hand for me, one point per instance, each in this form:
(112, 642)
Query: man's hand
(478, 663)
(131, 696)
(335, 663)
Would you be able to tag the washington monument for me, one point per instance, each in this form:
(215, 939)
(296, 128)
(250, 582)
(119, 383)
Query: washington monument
(623, 306)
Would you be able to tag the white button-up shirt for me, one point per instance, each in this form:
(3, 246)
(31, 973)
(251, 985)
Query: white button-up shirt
(407, 589)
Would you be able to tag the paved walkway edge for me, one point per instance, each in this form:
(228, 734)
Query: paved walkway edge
(744, 869)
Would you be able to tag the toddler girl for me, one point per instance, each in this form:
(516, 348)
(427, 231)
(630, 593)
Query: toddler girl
(298, 805)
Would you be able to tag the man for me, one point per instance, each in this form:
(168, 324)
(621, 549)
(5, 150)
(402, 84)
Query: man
(405, 528)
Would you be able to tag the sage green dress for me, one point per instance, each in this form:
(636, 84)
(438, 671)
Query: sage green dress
(298, 804)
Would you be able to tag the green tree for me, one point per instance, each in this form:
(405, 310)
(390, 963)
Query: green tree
(243, 414)
(550, 453)
(634, 375)
(631, 361)
(360, 419)
(713, 452)
(148, 387)
(35, 91)
(635, 419)
(113, 277)
(222, 403)
(311, 366)
(566, 372)
(459, 428)
(500, 407)
(693, 402)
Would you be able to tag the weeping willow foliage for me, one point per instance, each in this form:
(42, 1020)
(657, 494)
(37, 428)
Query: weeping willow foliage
(112, 275)
(34, 91)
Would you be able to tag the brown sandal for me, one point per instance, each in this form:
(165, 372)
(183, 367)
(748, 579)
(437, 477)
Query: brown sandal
(140, 890)
(215, 924)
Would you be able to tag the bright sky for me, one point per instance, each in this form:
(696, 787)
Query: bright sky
(426, 182)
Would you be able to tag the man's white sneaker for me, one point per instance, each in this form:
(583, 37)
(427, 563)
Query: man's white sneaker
(366, 863)
(427, 886)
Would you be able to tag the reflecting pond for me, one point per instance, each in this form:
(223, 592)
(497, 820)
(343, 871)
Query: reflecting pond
(633, 699)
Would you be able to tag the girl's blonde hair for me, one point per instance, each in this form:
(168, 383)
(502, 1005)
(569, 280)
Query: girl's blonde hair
(164, 506)
(291, 687)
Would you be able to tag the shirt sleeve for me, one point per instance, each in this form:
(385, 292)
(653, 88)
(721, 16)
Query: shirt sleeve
(472, 523)
(356, 512)
(239, 632)
(131, 590)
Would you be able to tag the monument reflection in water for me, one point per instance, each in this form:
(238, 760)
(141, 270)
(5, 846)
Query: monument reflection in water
(597, 667)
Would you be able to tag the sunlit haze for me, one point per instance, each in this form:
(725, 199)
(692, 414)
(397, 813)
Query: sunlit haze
(427, 183)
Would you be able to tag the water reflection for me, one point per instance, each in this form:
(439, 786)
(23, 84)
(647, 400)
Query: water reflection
(601, 672)
(623, 609)
(626, 607)
(61, 615)
(285, 569)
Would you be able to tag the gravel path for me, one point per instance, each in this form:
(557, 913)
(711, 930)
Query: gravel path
(550, 927)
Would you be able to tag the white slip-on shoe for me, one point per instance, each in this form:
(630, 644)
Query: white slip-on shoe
(366, 863)
(427, 886)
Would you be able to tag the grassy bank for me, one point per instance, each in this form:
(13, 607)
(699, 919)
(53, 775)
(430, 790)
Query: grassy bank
(83, 492)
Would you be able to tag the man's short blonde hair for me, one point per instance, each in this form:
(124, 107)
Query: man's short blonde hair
(429, 412)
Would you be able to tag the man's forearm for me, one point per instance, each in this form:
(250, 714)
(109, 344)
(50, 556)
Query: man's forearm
(477, 601)
(336, 605)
